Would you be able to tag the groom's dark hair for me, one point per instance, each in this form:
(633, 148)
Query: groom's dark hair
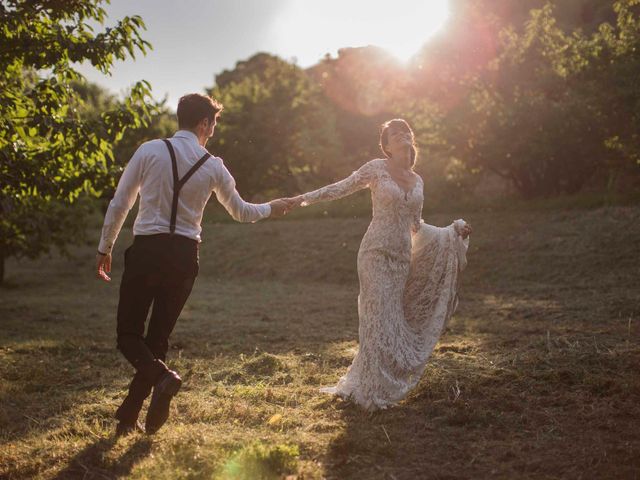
(192, 108)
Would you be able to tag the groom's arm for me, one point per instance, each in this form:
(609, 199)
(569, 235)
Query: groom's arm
(225, 189)
(122, 202)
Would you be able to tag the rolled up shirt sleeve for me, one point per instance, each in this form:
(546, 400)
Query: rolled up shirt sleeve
(123, 200)
(225, 189)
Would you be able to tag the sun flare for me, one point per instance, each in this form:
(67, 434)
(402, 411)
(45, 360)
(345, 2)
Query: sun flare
(405, 34)
(309, 30)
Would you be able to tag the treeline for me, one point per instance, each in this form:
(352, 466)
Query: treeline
(529, 98)
(540, 99)
(524, 97)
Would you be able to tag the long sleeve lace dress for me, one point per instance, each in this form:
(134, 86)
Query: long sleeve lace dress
(408, 274)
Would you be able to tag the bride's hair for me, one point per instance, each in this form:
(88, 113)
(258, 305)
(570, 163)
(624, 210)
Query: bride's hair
(402, 125)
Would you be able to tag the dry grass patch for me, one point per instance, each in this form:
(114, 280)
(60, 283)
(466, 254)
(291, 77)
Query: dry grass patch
(536, 376)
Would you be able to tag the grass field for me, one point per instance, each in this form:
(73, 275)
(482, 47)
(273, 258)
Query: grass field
(537, 376)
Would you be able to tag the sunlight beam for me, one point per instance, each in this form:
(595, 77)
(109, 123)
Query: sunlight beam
(309, 30)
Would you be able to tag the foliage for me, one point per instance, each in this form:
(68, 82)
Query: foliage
(546, 114)
(615, 86)
(363, 85)
(277, 132)
(540, 94)
(543, 95)
(51, 154)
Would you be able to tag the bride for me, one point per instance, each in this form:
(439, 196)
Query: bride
(408, 274)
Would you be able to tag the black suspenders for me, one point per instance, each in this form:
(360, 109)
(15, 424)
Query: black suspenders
(179, 182)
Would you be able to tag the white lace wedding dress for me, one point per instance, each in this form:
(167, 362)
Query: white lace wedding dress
(408, 287)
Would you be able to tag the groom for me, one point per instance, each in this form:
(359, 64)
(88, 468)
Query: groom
(175, 178)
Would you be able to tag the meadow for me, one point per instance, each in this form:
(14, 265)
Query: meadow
(537, 375)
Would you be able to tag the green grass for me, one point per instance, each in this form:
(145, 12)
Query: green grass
(537, 375)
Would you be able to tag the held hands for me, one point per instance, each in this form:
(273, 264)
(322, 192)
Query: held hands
(282, 206)
(103, 266)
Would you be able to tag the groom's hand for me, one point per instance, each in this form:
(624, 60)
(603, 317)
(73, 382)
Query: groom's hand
(282, 206)
(279, 208)
(103, 266)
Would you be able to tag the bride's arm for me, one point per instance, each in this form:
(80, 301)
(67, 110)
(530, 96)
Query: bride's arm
(358, 180)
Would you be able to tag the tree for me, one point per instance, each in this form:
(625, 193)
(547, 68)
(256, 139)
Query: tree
(544, 114)
(363, 85)
(277, 132)
(613, 78)
(51, 154)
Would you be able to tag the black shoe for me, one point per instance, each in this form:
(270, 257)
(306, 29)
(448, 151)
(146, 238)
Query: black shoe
(126, 428)
(163, 392)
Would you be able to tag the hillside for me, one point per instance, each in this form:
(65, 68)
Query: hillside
(536, 376)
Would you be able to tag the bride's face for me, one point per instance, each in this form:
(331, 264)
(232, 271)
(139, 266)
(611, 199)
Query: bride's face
(398, 140)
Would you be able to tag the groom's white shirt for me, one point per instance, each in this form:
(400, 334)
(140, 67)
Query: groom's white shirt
(149, 173)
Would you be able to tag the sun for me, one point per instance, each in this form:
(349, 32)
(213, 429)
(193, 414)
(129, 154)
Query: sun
(406, 31)
(309, 30)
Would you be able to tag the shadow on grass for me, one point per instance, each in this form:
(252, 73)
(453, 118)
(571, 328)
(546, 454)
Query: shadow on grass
(93, 462)
(568, 413)
(48, 380)
(398, 443)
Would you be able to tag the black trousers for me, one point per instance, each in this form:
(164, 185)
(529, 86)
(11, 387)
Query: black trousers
(159, 270)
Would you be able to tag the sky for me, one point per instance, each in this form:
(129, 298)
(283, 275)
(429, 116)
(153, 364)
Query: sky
(193, 40)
